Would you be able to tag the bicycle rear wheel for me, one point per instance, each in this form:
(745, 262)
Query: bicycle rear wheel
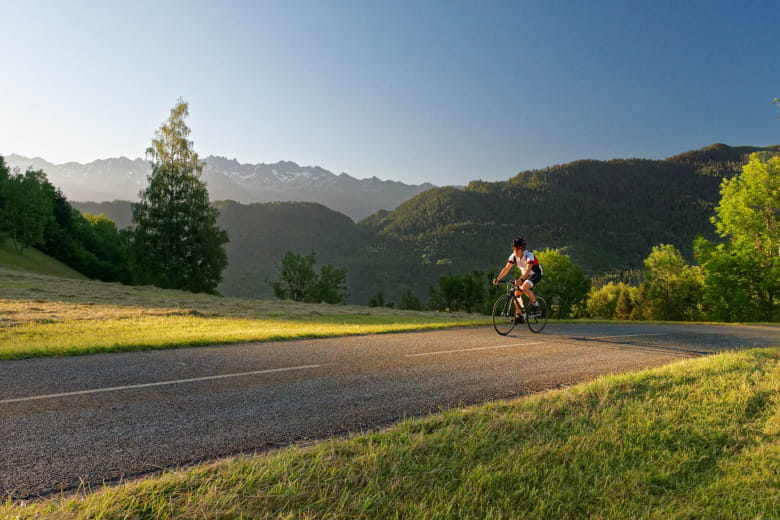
(537, 318)
(504, 314)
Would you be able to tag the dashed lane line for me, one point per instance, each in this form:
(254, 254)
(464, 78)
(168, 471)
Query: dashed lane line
(472, 349)
(161, 383)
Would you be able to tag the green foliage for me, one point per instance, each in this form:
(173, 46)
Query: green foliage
(4, 178)
(618, 301)
(719, 160)
(300, 282)
(633, 277)
(602, 301)
(470, 292)
(749, 211)
(330, 286)
(564, 285)
(734, 284)
(628, 304)
(297, 276)
(26, 209)
(35, 213)
(672, 289)
(410, 302)
(743, 274)
(176, 242)
(378, 300)
(91, 245)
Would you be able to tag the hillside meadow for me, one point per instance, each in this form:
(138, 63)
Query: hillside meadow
(34, 261)
(43, 315)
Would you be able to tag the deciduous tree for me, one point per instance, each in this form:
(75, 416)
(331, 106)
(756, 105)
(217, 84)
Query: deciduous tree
(743, 273)
(672, 289)
(26, 209)
(299, 281)
(564, 285)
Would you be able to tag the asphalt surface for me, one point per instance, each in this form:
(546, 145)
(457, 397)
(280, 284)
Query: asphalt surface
(81, 421)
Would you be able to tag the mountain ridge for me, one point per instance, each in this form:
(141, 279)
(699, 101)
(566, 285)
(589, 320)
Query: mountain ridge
(122, 178)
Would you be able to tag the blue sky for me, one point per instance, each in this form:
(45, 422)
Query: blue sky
(442, 91)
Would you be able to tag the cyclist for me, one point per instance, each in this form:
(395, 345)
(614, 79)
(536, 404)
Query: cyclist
(530, 273)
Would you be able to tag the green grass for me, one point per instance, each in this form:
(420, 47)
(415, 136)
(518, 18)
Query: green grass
(33, 261)
(698, 439)
(51, 316)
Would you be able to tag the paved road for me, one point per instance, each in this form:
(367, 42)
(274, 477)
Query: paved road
(101, 418)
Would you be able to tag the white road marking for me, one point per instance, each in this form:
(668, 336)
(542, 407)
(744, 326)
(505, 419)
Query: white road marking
(472, 349)
(161, 383)
(631, 335)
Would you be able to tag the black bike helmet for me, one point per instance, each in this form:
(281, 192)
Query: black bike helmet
(518, 242)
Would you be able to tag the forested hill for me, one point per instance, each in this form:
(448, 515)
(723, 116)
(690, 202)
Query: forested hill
(608, 214)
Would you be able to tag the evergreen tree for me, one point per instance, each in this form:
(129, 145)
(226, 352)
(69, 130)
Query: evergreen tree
(177, 243)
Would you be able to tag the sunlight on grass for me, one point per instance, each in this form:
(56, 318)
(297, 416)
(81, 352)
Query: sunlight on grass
(698, 439)
(143, 333)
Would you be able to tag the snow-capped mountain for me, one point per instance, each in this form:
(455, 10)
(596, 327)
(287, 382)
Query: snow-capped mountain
(122, 179)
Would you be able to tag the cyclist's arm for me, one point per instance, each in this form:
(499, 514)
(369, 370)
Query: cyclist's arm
(503, 272)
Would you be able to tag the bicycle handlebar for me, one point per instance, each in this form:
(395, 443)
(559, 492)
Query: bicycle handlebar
(508, 282)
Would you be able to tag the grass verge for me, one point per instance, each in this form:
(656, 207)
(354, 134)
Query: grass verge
(698, 439)
(49, 316)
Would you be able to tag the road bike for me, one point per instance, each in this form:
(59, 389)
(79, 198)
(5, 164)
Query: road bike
(505, 315)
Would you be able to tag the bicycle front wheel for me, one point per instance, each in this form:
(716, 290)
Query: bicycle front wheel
(537, 318)
(504, 315)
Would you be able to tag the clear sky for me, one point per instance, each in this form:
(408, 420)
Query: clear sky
(443, 91)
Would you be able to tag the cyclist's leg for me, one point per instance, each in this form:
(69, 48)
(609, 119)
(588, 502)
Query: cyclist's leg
(527, 290)
(518, 310)
(528, 286)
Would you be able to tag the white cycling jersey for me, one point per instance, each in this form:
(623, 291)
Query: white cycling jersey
(522, 261)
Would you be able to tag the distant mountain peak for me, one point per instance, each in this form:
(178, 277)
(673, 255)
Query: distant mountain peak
(122, 178)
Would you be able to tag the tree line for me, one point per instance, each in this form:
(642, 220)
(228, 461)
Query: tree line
(34, 213)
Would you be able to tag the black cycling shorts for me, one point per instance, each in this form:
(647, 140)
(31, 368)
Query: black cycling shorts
(534, 278)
